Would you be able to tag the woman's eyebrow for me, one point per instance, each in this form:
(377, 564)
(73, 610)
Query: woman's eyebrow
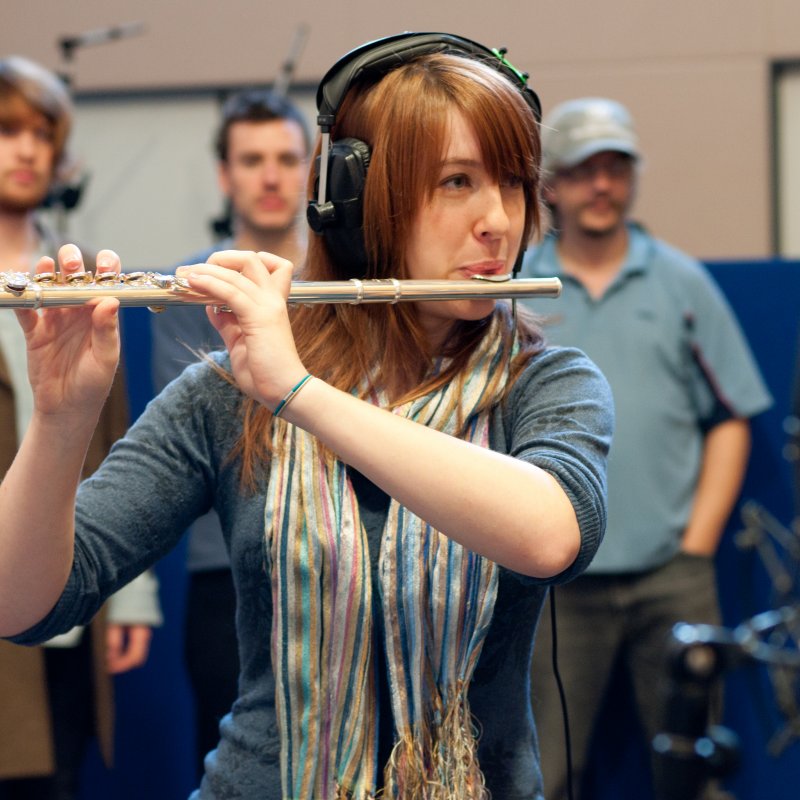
(460, 162)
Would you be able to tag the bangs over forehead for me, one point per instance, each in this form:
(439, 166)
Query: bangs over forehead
(15, 109)
(405, 119)
(500, 119)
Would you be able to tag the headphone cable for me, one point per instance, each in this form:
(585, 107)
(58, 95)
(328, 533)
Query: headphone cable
(561, 693)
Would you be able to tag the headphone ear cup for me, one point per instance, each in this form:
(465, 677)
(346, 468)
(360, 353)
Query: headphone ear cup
(340, 219)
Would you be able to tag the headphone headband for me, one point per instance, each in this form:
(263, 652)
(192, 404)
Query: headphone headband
(378, 57)
(341, 168)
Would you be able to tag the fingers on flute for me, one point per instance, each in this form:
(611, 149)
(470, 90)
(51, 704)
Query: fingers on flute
(250, 263)
(245, 262)
(235, 260)
(70, 259)
(240, 272)
(107, 262)
(230, 275)
(274, 263)
(280, 270)
(45, 265)
(225, 286)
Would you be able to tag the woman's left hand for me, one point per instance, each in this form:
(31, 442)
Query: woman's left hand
(256, 330)
(72, 351)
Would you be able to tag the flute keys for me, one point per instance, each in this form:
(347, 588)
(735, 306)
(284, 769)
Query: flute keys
(180, 285)
(15, 283)
(78, 278)
(45, 277)
(162, 282)
(106, 278)
(171, 283)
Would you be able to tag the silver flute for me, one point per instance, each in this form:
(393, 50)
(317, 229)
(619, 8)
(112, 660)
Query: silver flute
(156, 291)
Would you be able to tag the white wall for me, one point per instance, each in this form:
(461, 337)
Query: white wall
(152, 188)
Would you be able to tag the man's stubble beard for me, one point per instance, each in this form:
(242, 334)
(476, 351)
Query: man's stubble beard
(607, 231)
(267, 230)
(21, 206)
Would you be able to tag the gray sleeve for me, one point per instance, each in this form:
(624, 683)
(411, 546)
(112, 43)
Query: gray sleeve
(155, 481)
(560, 416)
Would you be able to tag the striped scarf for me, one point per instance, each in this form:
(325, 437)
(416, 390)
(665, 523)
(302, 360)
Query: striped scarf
(436, 597)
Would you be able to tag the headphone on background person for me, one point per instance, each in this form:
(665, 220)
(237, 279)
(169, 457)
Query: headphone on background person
(340, 171)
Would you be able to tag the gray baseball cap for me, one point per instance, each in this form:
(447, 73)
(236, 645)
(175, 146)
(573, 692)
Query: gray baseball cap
(578, 129)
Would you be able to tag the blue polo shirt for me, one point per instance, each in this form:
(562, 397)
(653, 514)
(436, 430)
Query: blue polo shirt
(677, 362)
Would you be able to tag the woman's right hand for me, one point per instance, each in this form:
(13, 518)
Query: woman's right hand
(256, 329)
(72, 351)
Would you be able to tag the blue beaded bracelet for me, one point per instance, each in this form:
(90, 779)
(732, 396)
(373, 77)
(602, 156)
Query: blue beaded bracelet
(290, 395)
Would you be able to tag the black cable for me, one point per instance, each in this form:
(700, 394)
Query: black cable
(561, 693)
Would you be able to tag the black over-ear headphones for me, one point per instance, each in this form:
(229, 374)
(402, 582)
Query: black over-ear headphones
(341, 168)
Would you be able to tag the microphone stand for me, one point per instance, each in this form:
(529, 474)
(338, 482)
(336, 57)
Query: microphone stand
(688, 753)
(66, 196)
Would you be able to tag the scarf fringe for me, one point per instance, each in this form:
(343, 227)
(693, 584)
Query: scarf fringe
(347, 794)
(439, 761)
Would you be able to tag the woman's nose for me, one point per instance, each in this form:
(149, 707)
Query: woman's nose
(494, 219)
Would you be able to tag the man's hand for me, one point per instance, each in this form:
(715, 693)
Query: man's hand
(127, 647)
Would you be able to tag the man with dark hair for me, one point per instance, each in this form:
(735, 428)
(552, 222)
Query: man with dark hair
(54, 698)
(684, 385)
(257, 105)
(262, 147)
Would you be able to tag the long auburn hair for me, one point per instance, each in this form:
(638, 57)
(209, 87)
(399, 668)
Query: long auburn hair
(404, 120)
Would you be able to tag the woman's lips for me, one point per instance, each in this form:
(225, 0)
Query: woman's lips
(487, 268)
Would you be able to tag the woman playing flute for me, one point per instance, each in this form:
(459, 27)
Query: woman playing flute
(398, 485)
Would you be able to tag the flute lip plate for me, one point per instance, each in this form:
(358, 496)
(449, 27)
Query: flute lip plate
(492, 278)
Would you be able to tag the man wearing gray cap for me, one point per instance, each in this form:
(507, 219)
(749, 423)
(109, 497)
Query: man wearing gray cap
(684, 384)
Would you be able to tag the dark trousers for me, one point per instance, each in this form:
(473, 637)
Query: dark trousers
(70, 689)
(212, 656)
(608, 623)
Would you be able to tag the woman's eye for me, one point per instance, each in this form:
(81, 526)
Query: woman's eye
(511, 182)
(456, 182)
